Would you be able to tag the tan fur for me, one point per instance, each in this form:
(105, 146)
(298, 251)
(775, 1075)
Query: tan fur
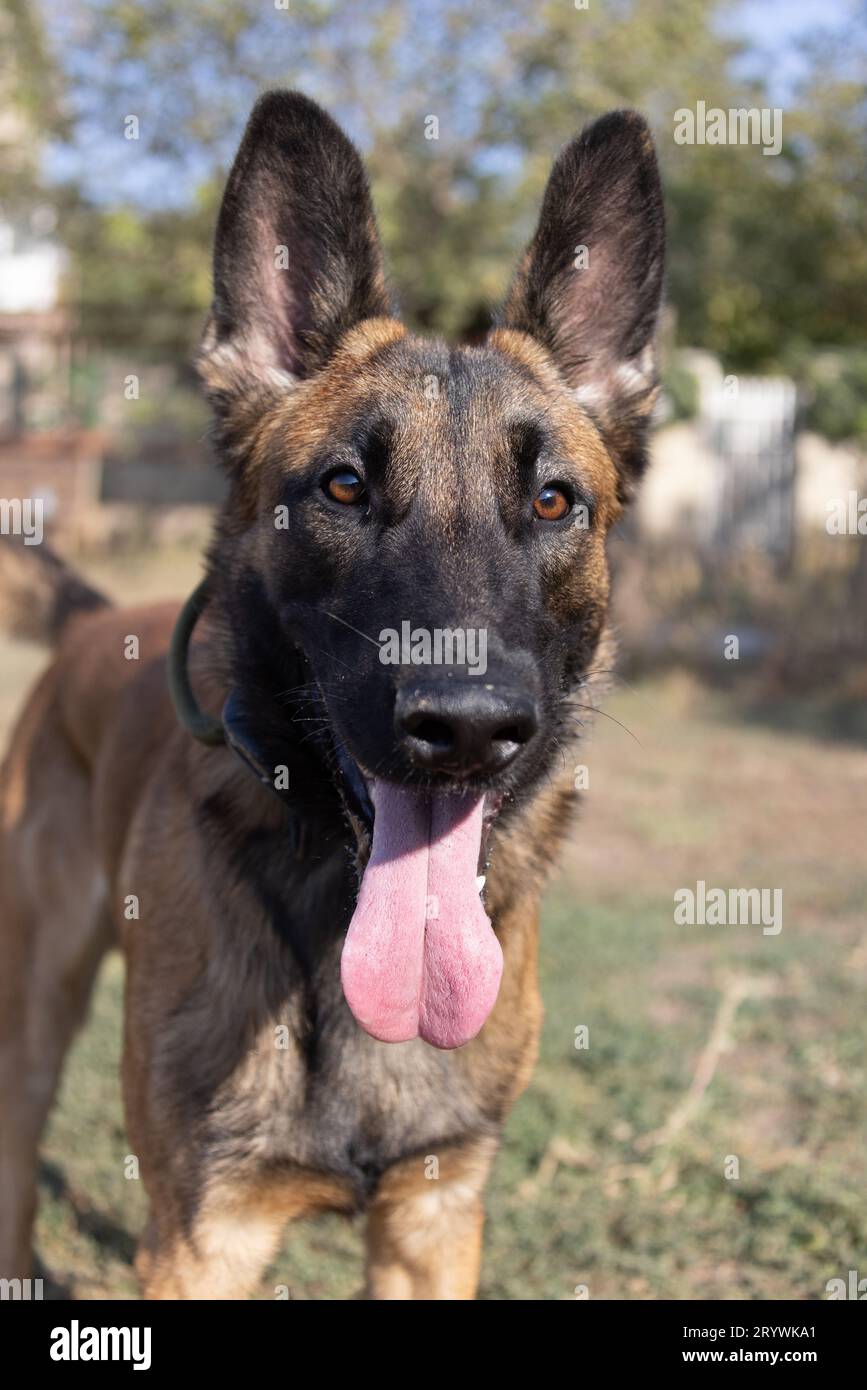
(118, 826)
(99, 799)
(96, 798)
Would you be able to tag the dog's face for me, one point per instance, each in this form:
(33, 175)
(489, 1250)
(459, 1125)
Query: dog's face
(405, 505)
(426, 525)
(441, 561)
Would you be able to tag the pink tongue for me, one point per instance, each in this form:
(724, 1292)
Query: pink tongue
(420, 956)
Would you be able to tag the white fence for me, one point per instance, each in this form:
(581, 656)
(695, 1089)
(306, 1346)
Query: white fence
(749, 424)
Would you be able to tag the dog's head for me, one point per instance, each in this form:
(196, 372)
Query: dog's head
(414, 536)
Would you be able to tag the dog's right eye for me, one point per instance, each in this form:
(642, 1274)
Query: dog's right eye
(344, 486)
(554, 503)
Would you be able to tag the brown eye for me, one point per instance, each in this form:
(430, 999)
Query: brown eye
(345, 486)
(553, 503)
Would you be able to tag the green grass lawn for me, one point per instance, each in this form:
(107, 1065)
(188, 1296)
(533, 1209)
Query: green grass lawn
(710, 1140)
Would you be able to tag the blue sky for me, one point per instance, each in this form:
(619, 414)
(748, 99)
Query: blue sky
(775, 26)
(772, 28)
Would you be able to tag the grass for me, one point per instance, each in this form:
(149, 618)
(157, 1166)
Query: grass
(681, 1154)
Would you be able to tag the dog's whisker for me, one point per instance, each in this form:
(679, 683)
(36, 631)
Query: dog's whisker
(337, 618)
(605, 715)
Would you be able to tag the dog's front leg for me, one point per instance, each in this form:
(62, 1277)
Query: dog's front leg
(223, 1255)
(424, 1229)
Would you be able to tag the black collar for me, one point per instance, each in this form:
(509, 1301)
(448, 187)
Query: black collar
(235, 727)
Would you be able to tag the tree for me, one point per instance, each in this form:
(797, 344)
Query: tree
(459, 111)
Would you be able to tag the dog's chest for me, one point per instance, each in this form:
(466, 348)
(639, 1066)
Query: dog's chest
(293, 1081)
(317, 1092)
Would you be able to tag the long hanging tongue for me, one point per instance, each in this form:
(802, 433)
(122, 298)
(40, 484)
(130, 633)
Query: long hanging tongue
(420, 956)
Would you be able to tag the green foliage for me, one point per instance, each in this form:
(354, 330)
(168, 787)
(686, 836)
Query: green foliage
(141, 284)
(836, 386)
(28, 103)
(768, 254)
(681, 389)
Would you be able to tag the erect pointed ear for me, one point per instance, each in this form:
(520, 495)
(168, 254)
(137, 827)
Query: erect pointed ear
(590, 283)
(297, 260)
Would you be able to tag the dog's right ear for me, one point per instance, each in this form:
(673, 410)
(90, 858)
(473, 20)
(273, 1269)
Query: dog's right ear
(297, 260)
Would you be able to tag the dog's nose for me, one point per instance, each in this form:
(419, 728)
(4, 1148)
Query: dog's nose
(463, 728)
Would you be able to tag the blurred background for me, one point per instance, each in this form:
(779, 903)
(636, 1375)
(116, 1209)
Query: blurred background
(118, 122)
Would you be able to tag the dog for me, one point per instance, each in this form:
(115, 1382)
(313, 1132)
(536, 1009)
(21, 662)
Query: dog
(295, 1042)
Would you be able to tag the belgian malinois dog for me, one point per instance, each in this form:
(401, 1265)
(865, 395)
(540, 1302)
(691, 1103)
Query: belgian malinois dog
(331, 939)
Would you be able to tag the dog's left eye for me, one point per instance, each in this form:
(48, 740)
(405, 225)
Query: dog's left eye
(345, 486)
(553, 503)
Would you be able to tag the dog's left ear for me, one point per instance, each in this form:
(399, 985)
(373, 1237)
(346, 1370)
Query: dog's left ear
(590, 283)
(297, 260)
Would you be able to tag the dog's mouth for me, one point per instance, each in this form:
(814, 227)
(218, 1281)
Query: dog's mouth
(420, 957)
